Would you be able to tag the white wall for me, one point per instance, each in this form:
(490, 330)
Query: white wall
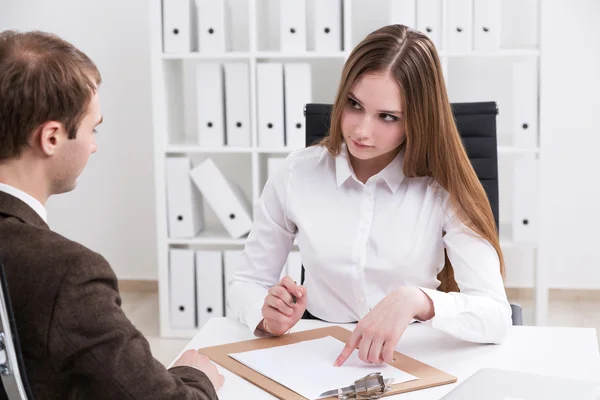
(570, 103)
(112, 209)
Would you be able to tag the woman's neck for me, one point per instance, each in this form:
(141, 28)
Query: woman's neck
(364, 169)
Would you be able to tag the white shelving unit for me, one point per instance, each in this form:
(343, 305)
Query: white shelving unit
(167, 69)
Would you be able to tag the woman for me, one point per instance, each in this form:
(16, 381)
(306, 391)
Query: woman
(386, 210)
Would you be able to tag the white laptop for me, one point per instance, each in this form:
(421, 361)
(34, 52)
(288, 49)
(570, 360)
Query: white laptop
(497, 384)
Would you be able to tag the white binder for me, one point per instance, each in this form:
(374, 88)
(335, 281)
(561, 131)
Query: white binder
(459, 28)
(328, 26)
(526, 201)
(298, 92)
(210, 105)
(181, 289)
(213, 25)
(232, 259)
(404, 12)
(237, 101)
(525, 104)
(293, 26)
(184, 203)
(294, 266)
(225, 198)
(429, 20)
(209, 285)
(179, 30)
(486, 24)
(271, 128)
(274, 164)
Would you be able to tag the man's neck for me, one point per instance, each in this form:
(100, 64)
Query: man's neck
(27, 177)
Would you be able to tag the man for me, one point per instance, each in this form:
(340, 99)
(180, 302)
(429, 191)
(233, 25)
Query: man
(76, 341)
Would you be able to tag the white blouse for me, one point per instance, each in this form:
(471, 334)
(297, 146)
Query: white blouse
(358, 242)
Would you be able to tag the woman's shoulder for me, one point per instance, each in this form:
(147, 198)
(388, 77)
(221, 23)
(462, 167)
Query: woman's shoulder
(431, 188)
(307, 158)
(427, 184)
(301, 162)
(307, 153)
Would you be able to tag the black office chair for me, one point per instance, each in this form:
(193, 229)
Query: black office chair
(12, 369)
(476, 123)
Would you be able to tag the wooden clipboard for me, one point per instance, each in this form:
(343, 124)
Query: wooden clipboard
(428, 376)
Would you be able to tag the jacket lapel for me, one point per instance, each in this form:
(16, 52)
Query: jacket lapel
(11, 206)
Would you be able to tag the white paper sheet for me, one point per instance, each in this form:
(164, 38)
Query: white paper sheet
(307, 367)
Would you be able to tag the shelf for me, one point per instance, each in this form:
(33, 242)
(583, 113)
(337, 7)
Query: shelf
(207, 56)
(218, 237)
(191, 149)
(517, 150)
(300, 55)
(335, 55)
(254, 36)
(199, 149)
(256, 55)
(507, 242)
(495, 53)
(212, 236)
(209, 237)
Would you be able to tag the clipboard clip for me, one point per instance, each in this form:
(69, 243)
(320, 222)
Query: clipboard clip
(372, 386)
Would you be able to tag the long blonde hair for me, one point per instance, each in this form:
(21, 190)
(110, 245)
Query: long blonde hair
(433, 145)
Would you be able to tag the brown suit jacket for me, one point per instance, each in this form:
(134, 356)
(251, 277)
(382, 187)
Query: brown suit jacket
(76, 341)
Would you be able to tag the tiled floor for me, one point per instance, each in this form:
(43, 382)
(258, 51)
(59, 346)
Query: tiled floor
(142, 310)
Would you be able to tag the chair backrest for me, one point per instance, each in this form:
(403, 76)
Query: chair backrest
(476, 123)
(12, 369)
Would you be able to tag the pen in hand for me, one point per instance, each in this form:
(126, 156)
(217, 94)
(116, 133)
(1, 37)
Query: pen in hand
(294, 299)
(283, 307)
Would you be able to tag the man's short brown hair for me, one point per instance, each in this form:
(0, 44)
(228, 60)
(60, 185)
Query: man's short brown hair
(42, 78)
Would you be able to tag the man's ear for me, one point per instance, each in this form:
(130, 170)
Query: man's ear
(48, 137)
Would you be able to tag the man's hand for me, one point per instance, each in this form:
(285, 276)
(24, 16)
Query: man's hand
(192, 358)
(378, 333)
(283, 307)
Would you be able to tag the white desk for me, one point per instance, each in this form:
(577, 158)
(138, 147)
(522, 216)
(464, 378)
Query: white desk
(564, 352)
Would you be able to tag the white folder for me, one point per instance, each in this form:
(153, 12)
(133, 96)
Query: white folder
(486, 24)
(179, 30)
(232, 259)
(209, 285)
(526, 200)
(210, 105)
(525, 104)
(213, 25)
(459, 29)
(293, 25)
(225, 198)
(429, 20)
(182, 307)
(274, 164)
(184, 203)
(294, 266)
(328, 25)
(298, 92)
(271, 128)
(237, 101)
(404, 12)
